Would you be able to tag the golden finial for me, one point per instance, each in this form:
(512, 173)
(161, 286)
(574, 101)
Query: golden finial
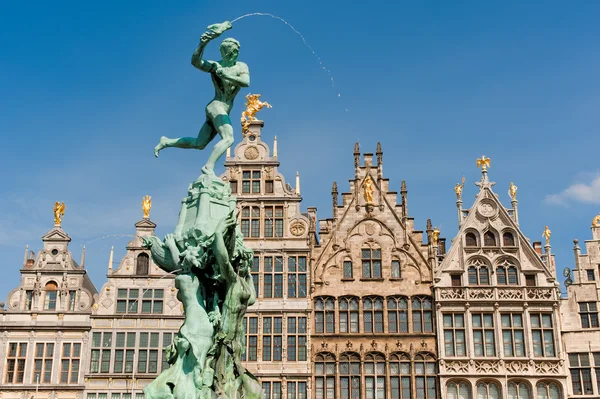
(547, 233)
(368, 190)
(512, 191)
(146, 205)
(59, 212)
(435, 236)
(253, 105)
(458, 188)
(596, 221)
(483, 163)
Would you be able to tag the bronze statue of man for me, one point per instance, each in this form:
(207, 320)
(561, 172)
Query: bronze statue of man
(228, 76)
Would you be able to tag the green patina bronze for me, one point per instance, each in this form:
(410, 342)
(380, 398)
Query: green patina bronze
(208, 256)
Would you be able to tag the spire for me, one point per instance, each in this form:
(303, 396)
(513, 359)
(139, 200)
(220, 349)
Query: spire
(26, 255)
(379, 154)
(334, 196)
(228, 152)
(356, 159)
(403, 193)
(82, 257)
(275, 147)
(110, 258)
(297, 183)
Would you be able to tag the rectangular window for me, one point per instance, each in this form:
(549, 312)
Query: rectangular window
(127, 300)
(273, 221)
(255, 272)
(371, 263)
(456, 280)
(70, 360)
(15, 365)
(588, 311)
(252, 339)
(167, 341)
(542, 334)
(591, 276)
(273, 277)
(269, 186)
(272, 338)
(530, 280)
(296, 339)
(347, 269)
(296, 277)
(124, 352)
(396, 269)
(42, 363)
(454, 334)
(296, 390)
(28, 300)
(148, 353)
(513, 335)
(251, 221)
(251, 181)
(400, 384)
(581, 373)
(271, 390)
(50, 300)
(596, 356)
(72, 297)
(233, 186)
(483, 335)
(100, 356)
(152, 301)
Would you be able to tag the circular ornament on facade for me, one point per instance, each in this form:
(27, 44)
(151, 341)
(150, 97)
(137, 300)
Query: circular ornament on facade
(251, 153)
(487, 209)
(297, 229)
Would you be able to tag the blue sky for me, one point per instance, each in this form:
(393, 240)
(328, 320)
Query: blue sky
(87, 88)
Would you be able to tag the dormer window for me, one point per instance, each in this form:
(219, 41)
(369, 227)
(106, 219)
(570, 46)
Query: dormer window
(142, 264)
(479, 273)
(470, 239)
(50, 295)
(251, 182)
(508, 240)
(489, 239)
(506, 274)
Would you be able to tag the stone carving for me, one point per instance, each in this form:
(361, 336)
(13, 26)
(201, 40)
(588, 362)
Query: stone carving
(457, 367)
(516, 367)
(540, 293)
(452, 293)
(370, 228)
(510, 293)
(486, 209)
(251, 153)
(547, 368)
(481, 293)
(487, 367)
(297, 229)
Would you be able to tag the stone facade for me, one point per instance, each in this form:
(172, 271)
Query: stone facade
(372, 308)
(497, 308)
(580, 325)
(46, 326)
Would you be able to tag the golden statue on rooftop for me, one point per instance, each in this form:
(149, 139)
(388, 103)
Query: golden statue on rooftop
(253, 105)
(368, 190)
(483, 163)
(596, 221)
(59, 212)
(435, 236)
(458, 188)
(146, 206)
(512, 191)
(547, 233)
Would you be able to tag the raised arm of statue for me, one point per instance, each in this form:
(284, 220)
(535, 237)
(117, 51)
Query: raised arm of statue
(212, 32)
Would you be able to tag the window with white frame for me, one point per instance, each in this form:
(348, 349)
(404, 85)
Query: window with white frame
(350, 376)
(542, 334)
(296, 338)
(348, 314)
(422, 314)
(425, 377)
(458, 390)
(42, 363)
(324, 315)
(506, 273)
(100, 355)
(271, 389)
(488, 390)
(325, 376)
(124, 352)
(273, 277)
(400, 380)
(15, 364)
(397, 308)
(483, 334)
(296, 390)
(296, 276)
(272, 339)
(374, 376)
(513, 335)
(519, 390)
(373, 315)
(479, 273)
(548, 390)
(70, 362)
(371, 263)
(148, 353)
(454, 334)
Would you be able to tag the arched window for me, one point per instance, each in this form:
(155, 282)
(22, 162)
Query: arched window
(425, 376)
(489, 239)
(506, 273)
(142, 265)
(548, 390)
(349, 376)
(348, 308)
(371, 262)
(325, 376)
(374, 376)
(422, 314)
(518, 390)
(397, 314)
(458, 390)
(400, 376)
(324, 315)
(373, 315)
(488, 390)
(479, 273)
(470, 239)
(51, 293)
(508, 240)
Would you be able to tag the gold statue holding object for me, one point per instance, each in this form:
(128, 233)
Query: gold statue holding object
(146, 206)
(368, 190)
(483, 163)
(458, 189)
(512, 191)
(596, 221)
(59, 212)
(435, 236)
(547, 233)
(253, 105)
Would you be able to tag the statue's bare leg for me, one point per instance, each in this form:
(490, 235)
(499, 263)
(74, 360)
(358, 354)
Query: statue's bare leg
(222, 124)
(206, 134)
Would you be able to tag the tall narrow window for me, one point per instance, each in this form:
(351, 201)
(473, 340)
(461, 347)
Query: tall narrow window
(296, 336)
(269, 186)
(233, 186)
(42, 363)
(371, 263)
(543, 335)
(50, 296)
(166, 344)
(152, 301)
(348, 310)
(489, 239)
(458, 390)
(483, 334)
(581, 373)
(100, 356)
(397, 314)
(272, 339)
(28, 300)
(273, 221)
(373, 315)
(69, 367)
(271, 389)
(591, 276)
(425, 377)
(488, 390)
(422, 314)
(506, 273)
(251, 221)
(348, 269)
(588, 311)
(273, 277)
(350, 376)
(396, 269)
(252, 339)
(508, 240)
(454, 334)
(124, 352)
(72, 300)
(478, 273)
(296, 390)
(297, 277)
(148, 353)
(325, 376)
(470, 239)
(513, 335)
(127, 300)
(15, 364)
(142, 264)
(375, 376)
(255, 271)
(251, 181)
(519, 390)
(324, 315)
(400, 386)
